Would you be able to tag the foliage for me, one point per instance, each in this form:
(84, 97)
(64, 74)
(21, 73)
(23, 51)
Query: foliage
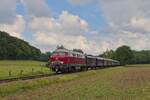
(78, 50)
(14, 48)
(124, 54)
(60, 47)
(128, 56)
(108, 54)
(141, 57)
(45, 56)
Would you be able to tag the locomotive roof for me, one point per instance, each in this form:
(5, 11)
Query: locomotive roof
(66, 50)
(61, 50)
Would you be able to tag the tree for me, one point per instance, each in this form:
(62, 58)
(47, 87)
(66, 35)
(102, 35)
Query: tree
(124, 54)
(45, 56)
(78, 50)
(136, 57)
(141, 57)
(60, 47)
(108, 54)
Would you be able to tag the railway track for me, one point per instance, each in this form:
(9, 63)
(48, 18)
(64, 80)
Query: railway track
(26, 78)
(30, 77)
(33, 77)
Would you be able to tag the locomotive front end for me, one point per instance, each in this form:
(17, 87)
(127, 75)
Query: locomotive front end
(58, 60)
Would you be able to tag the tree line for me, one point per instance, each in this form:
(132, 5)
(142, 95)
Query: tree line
(125, 55)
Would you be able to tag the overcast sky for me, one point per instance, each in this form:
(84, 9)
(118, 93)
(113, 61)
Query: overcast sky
(91, 25)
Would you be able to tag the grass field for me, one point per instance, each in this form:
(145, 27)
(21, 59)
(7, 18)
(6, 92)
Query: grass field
(118, 83)
(10, 69)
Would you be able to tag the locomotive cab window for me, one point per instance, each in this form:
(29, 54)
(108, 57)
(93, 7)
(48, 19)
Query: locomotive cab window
(60, 53)
(74, 55)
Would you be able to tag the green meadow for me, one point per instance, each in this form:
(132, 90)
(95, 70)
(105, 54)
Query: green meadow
(19, 68)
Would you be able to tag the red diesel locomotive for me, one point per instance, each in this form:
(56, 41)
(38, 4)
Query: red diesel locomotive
(66, 60)
(63, 60)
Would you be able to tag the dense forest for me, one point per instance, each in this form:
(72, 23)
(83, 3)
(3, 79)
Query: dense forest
(15, 48)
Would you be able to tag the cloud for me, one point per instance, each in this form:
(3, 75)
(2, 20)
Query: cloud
(74, 32)
(68, 41)
(122, 13)
(15, 28)
(80, 2)
(141, 23)
(128, 22)
(66, 23)
(37, 8)
(7, 11)
(68, 30)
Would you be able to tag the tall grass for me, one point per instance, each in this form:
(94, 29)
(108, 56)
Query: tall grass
(11, 69)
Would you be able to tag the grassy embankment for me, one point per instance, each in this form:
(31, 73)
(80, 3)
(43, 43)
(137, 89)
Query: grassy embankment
(119, 83)
(11, 69)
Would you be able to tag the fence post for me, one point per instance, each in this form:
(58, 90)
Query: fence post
(9, 73)
(21, 72)
(32, 71)
(41, 69)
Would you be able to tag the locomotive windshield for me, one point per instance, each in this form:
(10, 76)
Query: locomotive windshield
(60, 53)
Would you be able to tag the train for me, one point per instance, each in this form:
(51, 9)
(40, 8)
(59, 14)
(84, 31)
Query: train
(63, 60)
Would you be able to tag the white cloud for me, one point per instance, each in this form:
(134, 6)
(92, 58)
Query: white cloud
(38, 8)
(7, 11)
(80, 2)
(124, 14)
(68, 30)
(65, 24)
(16, 28)
(74, 32)
(69, 41)
(141, 23)
(129, 22)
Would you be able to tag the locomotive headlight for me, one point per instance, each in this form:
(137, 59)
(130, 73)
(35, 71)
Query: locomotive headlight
(62, 62)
